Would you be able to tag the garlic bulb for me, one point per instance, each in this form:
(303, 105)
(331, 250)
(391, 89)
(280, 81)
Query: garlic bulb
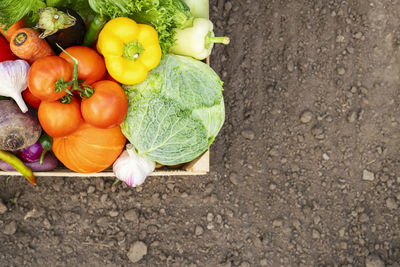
(132, 168)
(14, 80)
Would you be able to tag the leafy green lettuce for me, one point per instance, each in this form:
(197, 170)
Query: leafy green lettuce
(13, 10)
(176, 113)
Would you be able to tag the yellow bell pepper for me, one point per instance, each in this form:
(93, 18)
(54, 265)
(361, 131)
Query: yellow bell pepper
(130, 50)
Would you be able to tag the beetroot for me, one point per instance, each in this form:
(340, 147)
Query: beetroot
(17, 130)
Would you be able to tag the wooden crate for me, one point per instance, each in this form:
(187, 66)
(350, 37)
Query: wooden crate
(199, 166)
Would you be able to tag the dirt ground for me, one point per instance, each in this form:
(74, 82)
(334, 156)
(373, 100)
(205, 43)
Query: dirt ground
(305, 171)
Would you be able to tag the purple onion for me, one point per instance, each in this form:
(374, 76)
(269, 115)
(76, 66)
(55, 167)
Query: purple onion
(50, 162)
(31, 153)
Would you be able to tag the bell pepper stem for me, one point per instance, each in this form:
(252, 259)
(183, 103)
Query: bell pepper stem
(209, 40)
(220, 40)
(132, 50)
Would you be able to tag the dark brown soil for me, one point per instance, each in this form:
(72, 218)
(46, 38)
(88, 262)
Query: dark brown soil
(305, 171)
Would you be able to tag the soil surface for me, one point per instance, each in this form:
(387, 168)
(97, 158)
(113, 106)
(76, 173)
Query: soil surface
(305, 171)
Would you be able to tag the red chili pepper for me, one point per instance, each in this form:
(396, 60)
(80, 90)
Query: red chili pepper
(5, 51)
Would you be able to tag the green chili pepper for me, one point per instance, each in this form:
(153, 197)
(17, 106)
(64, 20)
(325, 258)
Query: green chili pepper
(46, 141)
(94, 29)
(18, 165)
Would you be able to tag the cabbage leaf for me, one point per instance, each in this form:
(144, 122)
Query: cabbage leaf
(175, 114)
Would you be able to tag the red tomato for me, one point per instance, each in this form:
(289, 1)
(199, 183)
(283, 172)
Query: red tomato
(32, 100)
(91, 67)
(107, 107)
(43, 75)
(58, 119)
(5, 51)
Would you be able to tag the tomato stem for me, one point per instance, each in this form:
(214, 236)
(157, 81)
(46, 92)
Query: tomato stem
(74, 81)
(87, 91)
(62, 85)
(66, 99)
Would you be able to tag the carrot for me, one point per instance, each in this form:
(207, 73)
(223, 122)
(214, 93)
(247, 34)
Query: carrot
(26, 44)
(16, 26)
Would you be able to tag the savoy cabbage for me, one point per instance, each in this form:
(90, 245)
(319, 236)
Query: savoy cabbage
(176, 113)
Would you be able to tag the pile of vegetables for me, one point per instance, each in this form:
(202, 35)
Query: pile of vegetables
(100, 83)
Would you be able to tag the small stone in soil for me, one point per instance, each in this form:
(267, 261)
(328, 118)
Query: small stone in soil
(364, 218)
(318, 132)
(46, 223)
(358, 35)
(234, 178)
(277, 223)
(374, 261)
(290, 66)
(248, 134)
(364, 90)
(244, 264)
(103, 198)
(352, 117)
(113, 213)
(131, 215)
(198, 230)
(152, 229)
(10, 228)
(137, 251)
(57, 184)
(34, 213)
(315, 234)
(391, 203)
(368, 176)
(91, 189)
(306, 116)
(341, 71)
(325, 156)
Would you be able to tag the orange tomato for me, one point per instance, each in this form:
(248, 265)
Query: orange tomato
(58, 119)
(91, 67)
(32, 100)
(107, 107)
(43, 75)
